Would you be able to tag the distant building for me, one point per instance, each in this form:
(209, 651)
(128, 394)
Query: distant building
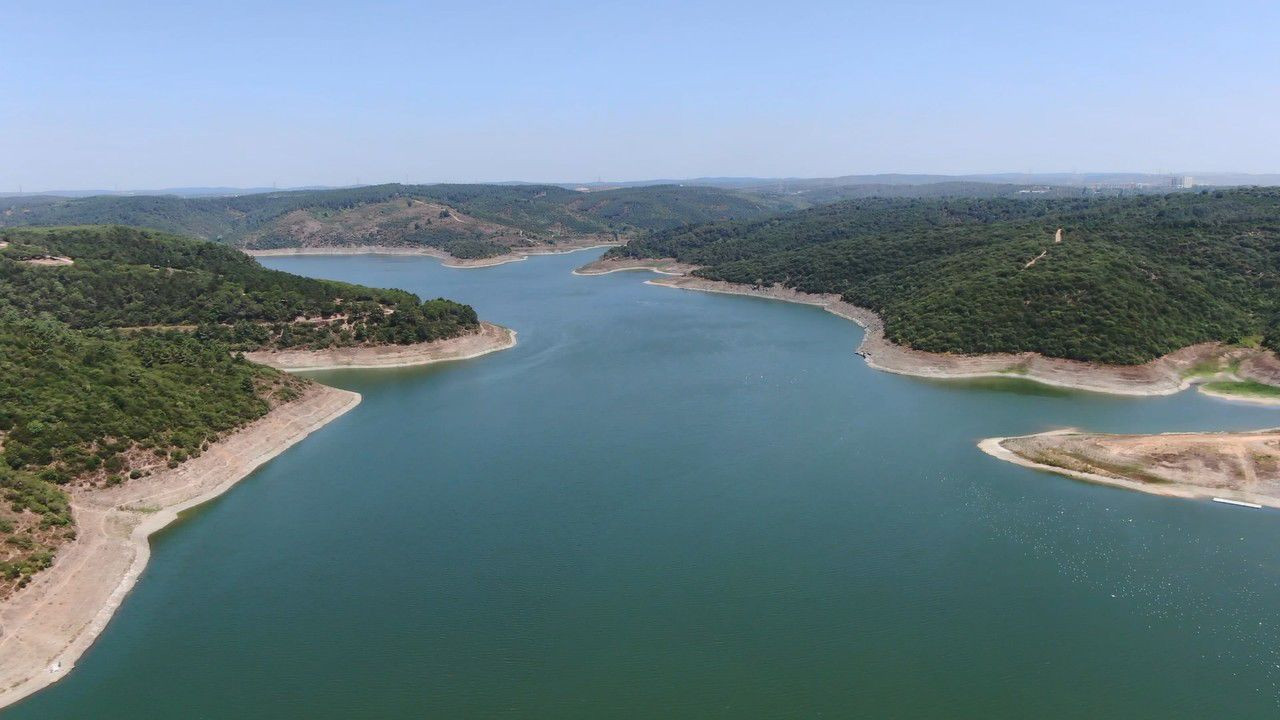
(1185, 181)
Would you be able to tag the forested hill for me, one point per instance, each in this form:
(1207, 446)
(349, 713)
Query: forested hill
(468, 221)
(118, 277)
(118, 359)
(1132, 279)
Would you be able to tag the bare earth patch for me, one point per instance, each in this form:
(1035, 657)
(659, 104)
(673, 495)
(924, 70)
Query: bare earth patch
(49, 260)
(1242, 466)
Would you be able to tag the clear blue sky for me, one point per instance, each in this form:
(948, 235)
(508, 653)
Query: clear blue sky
(153, 94)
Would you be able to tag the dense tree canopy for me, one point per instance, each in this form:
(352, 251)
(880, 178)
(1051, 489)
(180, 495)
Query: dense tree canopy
(124, 277)
(1134, 277)
(96, 406)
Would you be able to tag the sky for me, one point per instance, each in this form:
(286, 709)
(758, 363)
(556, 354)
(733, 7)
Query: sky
(132, 95)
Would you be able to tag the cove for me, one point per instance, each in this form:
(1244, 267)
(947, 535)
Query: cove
(676, 504)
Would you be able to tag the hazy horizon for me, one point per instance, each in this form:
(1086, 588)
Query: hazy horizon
(137, 97)
(1203, 177)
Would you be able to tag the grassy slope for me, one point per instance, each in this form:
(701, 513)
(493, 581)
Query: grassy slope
(1134, 278)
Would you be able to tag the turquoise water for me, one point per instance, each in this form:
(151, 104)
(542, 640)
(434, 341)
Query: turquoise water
(675, 504)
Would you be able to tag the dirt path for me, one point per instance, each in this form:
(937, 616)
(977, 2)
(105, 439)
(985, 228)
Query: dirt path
(1035, 259)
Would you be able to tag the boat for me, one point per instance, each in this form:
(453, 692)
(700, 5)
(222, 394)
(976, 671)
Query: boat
(1239, 503)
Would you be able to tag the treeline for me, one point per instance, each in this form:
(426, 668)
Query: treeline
(129, 278)
(1134, 277)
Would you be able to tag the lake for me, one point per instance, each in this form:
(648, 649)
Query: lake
(674, 504)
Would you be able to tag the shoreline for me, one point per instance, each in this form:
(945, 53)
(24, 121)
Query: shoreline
(1166, 375)
(447, 260)
(490, 338)
(45, 628)
(48, 626)
(605, 266)
(1240, 397)
(995, 448)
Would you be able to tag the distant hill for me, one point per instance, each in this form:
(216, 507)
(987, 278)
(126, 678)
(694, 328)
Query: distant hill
(179, 191)
(479, 221)
(467, 221)
(1133, 278)
(1156, 181)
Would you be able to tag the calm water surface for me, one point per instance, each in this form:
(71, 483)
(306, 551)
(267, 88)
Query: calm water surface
(675, 504)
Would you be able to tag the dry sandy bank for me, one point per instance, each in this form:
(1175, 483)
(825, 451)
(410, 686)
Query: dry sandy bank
(1163, 376)
(604, 266)
(1240, 398)
(47, 626)
(516, 255)
(1242, 466)
(490, 338)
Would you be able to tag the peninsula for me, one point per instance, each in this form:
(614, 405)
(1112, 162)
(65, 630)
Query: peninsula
(137, 385)
(1239, 466)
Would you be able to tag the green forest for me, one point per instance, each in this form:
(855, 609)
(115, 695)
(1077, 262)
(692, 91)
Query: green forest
(129, 278)
(1134, 277)
(125, 360)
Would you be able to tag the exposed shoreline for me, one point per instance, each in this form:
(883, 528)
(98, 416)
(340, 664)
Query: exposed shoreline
(490, 338)
(449, 261)
(605, 266)
(1163, 376)
(996, 448)
(47, 626)
(1240, 397)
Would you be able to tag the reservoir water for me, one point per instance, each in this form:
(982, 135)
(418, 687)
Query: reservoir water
(681, 505)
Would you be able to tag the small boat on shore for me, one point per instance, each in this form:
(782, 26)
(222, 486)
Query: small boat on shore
(1239, 503)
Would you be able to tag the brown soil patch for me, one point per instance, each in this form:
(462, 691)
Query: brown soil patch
(1242, 466)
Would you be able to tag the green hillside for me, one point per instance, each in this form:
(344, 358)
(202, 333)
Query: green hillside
(129, 278)
(119, 358)
(1134, 277)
